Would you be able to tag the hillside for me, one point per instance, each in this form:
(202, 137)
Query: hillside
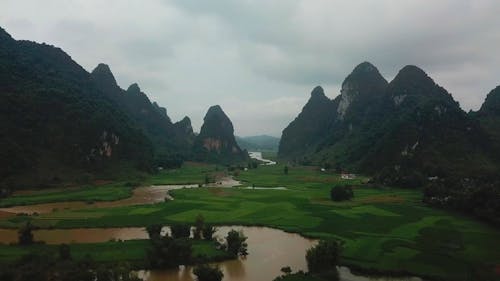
(57, 125)
(171, 142)
(408, 129)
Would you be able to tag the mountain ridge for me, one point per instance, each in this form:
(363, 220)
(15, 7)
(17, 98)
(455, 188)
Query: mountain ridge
(410, 123)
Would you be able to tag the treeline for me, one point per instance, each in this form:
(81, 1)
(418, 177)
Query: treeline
(62, 267)
(479, 197)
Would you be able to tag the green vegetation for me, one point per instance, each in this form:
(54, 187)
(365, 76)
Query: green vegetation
(323, 257)
(406, 130)
(133, 251)
(380, 229)
(105, 192)
(235, 243)
(341, 193)
(190, 173)
(208, 273)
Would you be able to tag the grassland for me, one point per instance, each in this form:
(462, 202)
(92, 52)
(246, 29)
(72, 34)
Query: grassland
(132, 251)
(103, 192)
(190, 173)
(381, 229)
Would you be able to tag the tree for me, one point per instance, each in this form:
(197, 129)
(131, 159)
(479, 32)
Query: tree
(208, 232)
(199, 225)
(168, 252)
(341, 193)
(208, 273)
(235, 243)
(154, 231)
(25, 234)
(64, 252)
(285, 170)
(323, 257)
(180, 231)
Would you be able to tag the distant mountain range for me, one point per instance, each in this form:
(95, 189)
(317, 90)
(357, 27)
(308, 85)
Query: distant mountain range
(259, 143)
(405, 129)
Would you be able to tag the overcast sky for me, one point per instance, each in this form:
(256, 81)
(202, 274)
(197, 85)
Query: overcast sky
(260, 59)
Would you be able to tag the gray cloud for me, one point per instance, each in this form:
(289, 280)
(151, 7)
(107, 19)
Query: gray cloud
(260, 59)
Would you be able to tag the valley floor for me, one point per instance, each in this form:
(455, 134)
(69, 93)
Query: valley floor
(382, 229)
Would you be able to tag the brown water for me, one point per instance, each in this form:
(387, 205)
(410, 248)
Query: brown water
(140, 195)
(269, 250)
(77, 235)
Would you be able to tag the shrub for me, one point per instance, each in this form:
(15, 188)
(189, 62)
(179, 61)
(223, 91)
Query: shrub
(324, 257)
(208, 273)
(341, 193)
(180, 231)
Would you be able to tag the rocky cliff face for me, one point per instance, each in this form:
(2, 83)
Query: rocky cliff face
(216, 141)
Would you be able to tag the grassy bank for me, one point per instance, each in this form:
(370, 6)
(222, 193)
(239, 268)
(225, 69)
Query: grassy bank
(104, 192)
(381, 229)
(131, 251)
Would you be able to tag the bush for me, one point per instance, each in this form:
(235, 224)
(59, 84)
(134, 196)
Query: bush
(341, 193)
(168, 252)
(180, 231)
(208, 273)
(235, 243)
(324, 257)
(154, 231)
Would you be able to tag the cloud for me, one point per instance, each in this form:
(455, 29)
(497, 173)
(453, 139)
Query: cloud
(260, 59)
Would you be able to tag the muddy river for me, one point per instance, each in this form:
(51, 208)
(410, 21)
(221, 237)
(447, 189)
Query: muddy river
(269, 250)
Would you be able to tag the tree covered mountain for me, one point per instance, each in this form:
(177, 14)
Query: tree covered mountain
(56, 123)
(216, 141)
(172, 142)
(405, 130)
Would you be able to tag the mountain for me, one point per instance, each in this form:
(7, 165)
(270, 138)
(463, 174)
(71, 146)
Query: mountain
(57, 125)
(170, 142)
(258, 143)
(489, 118)
(216, 141)
(338, 127)
(303, 134)
(406, 129)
